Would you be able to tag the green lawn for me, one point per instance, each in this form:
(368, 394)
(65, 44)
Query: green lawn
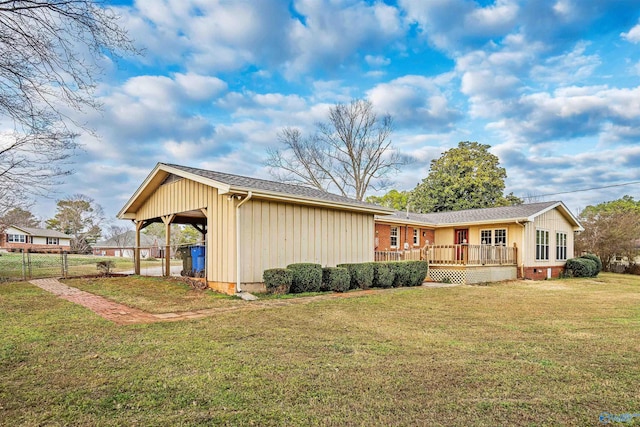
(524, 353)
(153, 294)
(50, 265)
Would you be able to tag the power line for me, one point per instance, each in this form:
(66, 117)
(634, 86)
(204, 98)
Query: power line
(584, 189)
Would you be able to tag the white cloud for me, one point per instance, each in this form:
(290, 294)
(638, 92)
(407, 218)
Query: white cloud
(415, 101)
(377, 60)
(633, 35)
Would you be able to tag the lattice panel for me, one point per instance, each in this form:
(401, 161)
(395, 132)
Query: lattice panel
(447, 275)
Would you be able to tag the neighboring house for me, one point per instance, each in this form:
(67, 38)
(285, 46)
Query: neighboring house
(530, 241)
(34, 239)
(123, 245)
(251, 225)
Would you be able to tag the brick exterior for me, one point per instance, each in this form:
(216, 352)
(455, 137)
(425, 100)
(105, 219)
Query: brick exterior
(405, 234)
(33, 247)
(540, 273)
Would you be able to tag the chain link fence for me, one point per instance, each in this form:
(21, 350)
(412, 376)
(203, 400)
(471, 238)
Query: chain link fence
(25, 265)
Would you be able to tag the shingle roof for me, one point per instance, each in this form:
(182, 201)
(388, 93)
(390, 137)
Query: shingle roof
(128, 239)
(506, 213)
(244, 182)
(42, 232)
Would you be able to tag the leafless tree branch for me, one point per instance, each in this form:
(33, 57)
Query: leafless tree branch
(350, 153)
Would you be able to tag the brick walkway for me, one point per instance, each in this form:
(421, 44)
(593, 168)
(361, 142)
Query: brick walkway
(124, 315)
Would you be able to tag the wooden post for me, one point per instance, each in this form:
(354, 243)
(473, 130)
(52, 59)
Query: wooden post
(136, 249)
(167, 251)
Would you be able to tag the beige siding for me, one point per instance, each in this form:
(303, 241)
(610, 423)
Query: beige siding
(186, 195)
(552, 221)
(275, 234)
(180, 196)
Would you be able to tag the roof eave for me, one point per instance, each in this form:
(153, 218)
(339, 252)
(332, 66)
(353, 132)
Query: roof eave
(272, 195)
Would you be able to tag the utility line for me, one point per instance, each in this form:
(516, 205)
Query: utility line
(585, 189)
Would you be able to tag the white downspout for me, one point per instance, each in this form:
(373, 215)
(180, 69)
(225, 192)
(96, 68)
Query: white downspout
(238, 253)
(522, 250)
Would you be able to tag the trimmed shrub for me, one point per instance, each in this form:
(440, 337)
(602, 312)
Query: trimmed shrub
(402, 272)
(581, 267)
(383, 275)
(306, 277)
(361, 274)
(277, 280)
(596, 259)
(418, 272)
(335, 279)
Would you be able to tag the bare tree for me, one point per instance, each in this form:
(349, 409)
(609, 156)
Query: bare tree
(351, 152)
(50, 55)
(120, 237)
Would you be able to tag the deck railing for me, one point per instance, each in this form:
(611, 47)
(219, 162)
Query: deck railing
(408, 255)
(465, 254)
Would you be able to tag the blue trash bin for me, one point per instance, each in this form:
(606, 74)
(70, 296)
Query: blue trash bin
(197, 256)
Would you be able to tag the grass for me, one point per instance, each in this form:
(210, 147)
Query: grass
(153, 294)
(47, 265)
(521, 353)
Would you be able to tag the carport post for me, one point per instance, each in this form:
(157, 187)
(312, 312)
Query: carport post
(136, 249)
(167, 251)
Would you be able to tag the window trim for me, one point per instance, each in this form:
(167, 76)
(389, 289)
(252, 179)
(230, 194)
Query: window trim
(53, 241)
(13, 238)
(393, 234)
(561, 250)
(542, 247)
(416, 237)
(492, 231)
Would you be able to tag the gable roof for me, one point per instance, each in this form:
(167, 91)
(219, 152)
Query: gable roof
(520, 213)
(41, 232)
(128, 240)
(229, 183)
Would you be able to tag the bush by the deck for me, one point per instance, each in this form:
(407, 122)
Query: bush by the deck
(383, 275)
(361, 274)
(418, 272)
(306, 277)
(277, 280)
(335, 279)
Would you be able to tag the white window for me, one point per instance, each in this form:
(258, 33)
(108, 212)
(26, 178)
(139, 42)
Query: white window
(561, 246)
(16, 238)
(416, 237)
(496, 237)
(542, 245)
(52, 240)
(394, 237)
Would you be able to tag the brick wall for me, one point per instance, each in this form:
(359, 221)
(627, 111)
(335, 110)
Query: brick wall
(540, 273)
(405, 234)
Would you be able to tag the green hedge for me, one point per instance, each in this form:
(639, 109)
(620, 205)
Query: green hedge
(383, 275)
(402, 273)
(306, 277)
(596, 259)
(277, 280)
(335, 279)
(419, 270)
(361, 274)
(581, 267)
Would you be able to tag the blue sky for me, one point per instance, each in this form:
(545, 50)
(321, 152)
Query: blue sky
(552, 86)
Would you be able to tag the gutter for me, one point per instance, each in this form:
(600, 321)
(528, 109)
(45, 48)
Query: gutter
(238, 252)
(522, 250)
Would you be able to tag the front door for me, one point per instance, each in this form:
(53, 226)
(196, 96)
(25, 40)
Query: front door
(461, 236)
